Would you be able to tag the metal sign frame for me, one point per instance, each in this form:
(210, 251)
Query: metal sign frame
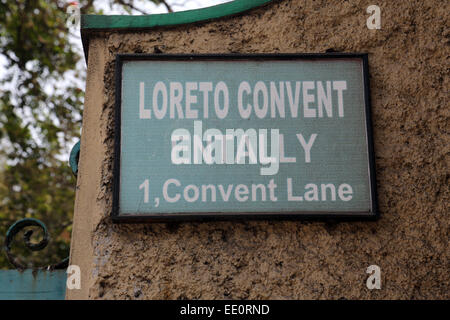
(372, 214)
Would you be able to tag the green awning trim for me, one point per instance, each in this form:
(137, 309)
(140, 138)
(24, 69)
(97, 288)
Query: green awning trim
(167, 19)
(93, 23)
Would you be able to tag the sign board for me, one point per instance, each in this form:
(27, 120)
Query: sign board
(228, 136)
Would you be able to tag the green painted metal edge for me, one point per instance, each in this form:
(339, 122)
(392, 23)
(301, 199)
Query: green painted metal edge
(92, 22)
(74, 157)
(96, 23)
(32, 285)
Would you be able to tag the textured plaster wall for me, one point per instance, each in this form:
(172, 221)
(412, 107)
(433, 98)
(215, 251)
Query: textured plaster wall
(409, 75)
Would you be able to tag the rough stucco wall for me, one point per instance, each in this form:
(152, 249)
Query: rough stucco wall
(409, 74)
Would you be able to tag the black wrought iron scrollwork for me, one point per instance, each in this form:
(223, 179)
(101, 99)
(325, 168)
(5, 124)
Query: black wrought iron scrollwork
(15, 229)
(31, 222)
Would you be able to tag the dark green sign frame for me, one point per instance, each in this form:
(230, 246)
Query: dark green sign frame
(200, 216)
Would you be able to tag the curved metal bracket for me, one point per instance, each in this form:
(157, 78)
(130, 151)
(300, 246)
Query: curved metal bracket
(16, 228)
(74, 157)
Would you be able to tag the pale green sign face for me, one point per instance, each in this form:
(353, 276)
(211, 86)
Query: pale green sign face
(228, 136)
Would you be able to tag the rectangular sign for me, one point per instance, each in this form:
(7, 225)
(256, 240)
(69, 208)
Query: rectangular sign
(261, 136)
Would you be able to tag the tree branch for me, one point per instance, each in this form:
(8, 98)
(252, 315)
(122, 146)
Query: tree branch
(164, 2)
(131, 6)
(122, 2)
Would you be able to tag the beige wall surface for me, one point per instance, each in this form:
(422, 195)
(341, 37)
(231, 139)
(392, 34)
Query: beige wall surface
(409, 80)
